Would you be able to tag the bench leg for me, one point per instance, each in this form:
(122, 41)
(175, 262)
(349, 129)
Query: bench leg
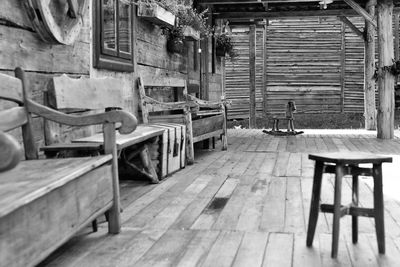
(114, 223)
(379, 209)
(336, 210)
(148, 165)
(354, 219)
(314, 207)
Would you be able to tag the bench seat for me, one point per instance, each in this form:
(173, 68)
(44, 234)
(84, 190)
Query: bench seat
(48, 201)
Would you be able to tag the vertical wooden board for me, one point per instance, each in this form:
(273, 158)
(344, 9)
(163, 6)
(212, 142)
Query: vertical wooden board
(273, 217)
(268, 164)
(195, 209)
(111, 251)
(147, 199)
(294, 165)
(250, 216)
(325, 246)
(229, 216)
(198, 248)
(279, 250)
(167, 250)
(306, 188)
(281, 164)
(294, 217)
(392, 254)
(224, 250)
(255, 165)
(139, 245)
(251, 250)
(167, 216)
(303, 255)
(78, 248)
(361, 254)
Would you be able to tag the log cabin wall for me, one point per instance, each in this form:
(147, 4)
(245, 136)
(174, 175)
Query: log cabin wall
(318, 63)
(21, 46)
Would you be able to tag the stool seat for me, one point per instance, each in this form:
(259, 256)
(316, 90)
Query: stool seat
(341, 164)
(349, 158)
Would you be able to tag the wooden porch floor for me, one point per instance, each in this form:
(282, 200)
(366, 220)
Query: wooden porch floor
(247, 206)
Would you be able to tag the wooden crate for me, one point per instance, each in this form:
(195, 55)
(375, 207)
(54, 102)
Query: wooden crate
(173, 148)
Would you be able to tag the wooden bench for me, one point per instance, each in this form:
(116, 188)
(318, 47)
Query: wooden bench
(203, 119)
(62, 94)
(44, 202)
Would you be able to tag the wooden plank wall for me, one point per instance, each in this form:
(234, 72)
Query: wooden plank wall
(354, 78)
(20, 46)
(237, 76)
(304, 64)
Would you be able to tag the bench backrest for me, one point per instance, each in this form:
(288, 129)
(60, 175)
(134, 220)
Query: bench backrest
(85, 93)
(149, 105)
(80, 97)
(15, 90)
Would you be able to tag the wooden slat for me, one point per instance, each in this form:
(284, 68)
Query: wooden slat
(12, 118)
(11, 88)
(84, 93)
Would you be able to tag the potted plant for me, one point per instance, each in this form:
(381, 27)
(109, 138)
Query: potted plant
(174, 39)
(224, 46)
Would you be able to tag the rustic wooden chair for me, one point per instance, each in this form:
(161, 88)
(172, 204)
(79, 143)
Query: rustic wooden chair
(44, 202)
(203, 119)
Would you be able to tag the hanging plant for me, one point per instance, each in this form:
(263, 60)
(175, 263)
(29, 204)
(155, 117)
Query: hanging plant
(175, 38)
(224, 46)
(394, 69)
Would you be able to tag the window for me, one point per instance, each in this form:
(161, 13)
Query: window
(113, 46)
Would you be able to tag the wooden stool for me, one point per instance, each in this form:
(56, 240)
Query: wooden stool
(343, 164)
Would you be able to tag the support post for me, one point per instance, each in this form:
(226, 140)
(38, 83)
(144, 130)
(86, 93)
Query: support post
(252, 73)
(264, 69)
(386, 79)
(369, 69)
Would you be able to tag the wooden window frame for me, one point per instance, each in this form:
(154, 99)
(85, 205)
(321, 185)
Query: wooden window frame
(111, 60)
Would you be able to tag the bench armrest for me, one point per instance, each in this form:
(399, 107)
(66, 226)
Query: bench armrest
(205, 103)
(127, 120)
(154, 105)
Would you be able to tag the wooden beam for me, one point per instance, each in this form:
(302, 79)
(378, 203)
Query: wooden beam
(252, 75)
(361, 11)
(264, 69)
(286, 14)
(386, 79)
(342, 66)
(369, 70)
(396, 37)
(352, 26)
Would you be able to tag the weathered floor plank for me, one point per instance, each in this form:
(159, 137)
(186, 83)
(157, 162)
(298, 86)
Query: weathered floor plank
(247, 206)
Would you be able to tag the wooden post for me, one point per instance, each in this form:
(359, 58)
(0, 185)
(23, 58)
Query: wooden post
(252, 73)
(386, 79)
(396, 37)
(342, 66)
(264, 70)
(369, 69)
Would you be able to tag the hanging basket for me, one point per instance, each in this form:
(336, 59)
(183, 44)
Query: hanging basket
(220, 51)
(175, 46)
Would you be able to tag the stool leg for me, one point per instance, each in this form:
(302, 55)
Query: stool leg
(378, 207)
(354, 219)
(336, 210)
(314, 207)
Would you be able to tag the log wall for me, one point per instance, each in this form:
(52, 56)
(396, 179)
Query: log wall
(21, 46)
(318, 63)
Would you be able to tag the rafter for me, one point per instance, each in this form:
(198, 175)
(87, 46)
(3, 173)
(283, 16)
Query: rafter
(362, 12)
(352, 26)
